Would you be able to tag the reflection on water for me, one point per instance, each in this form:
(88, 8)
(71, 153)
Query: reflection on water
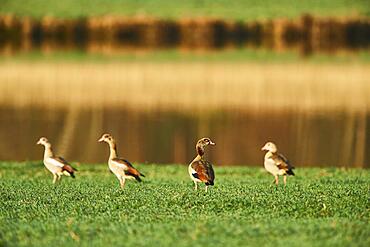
(317, 114)
(110, 35)
(337, 139)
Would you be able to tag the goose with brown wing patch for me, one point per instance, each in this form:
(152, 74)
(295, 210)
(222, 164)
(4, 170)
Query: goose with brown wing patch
(56, 165)
(201, 170)
(120, 167)
(276, 164)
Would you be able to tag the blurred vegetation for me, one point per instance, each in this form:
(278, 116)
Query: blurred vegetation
(173, 55)
(237, 9)
(319, 207)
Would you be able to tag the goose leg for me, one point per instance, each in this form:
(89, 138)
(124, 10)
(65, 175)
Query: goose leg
(122, 182)
(277, 180)
(59, 177)
(284, 180)
(54, 178)
(196, 185)
(206, 188)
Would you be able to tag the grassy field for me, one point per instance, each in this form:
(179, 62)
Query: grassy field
(319, 207)
(173, 55)
(238, 9)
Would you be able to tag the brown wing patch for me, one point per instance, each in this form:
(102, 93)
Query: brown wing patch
(282, 163)
(69, 169)
(66, 166)
(132, 171)
(279, 161)
(282, 166)
(129, 169)
(204, 170)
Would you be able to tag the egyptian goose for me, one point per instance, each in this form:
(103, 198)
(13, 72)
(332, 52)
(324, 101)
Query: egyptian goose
(201, 170)
(56, 165)
(120, 167)
(276, 164)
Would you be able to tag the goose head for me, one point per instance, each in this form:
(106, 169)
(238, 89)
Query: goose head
(43, 141)
(107, 138)
(270, 146)
(203, 142)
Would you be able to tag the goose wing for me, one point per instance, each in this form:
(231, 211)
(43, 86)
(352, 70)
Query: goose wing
(128, 168)
(65, 165)
(282, 163)
(203, 171)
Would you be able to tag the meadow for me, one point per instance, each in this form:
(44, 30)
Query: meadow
(239, 9)
(318, 207)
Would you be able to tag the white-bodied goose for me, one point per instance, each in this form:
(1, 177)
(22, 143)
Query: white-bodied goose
(201, 170)
(276, 164)
(120, 167)
(56, 165)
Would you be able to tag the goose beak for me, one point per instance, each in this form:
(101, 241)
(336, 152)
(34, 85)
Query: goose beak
(38, 143)
(212, 143)
(101, 139)
(264, 148)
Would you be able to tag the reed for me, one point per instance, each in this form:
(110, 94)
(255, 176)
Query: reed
(186, 85)
(110, 34)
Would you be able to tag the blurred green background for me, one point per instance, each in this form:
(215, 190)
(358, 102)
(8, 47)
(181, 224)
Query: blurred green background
(238, 9)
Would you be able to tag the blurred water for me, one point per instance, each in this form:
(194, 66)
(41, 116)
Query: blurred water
(318, 115)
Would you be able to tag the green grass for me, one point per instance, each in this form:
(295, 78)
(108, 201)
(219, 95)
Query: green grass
(319, 207)
(172, 55)
(237, 9)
